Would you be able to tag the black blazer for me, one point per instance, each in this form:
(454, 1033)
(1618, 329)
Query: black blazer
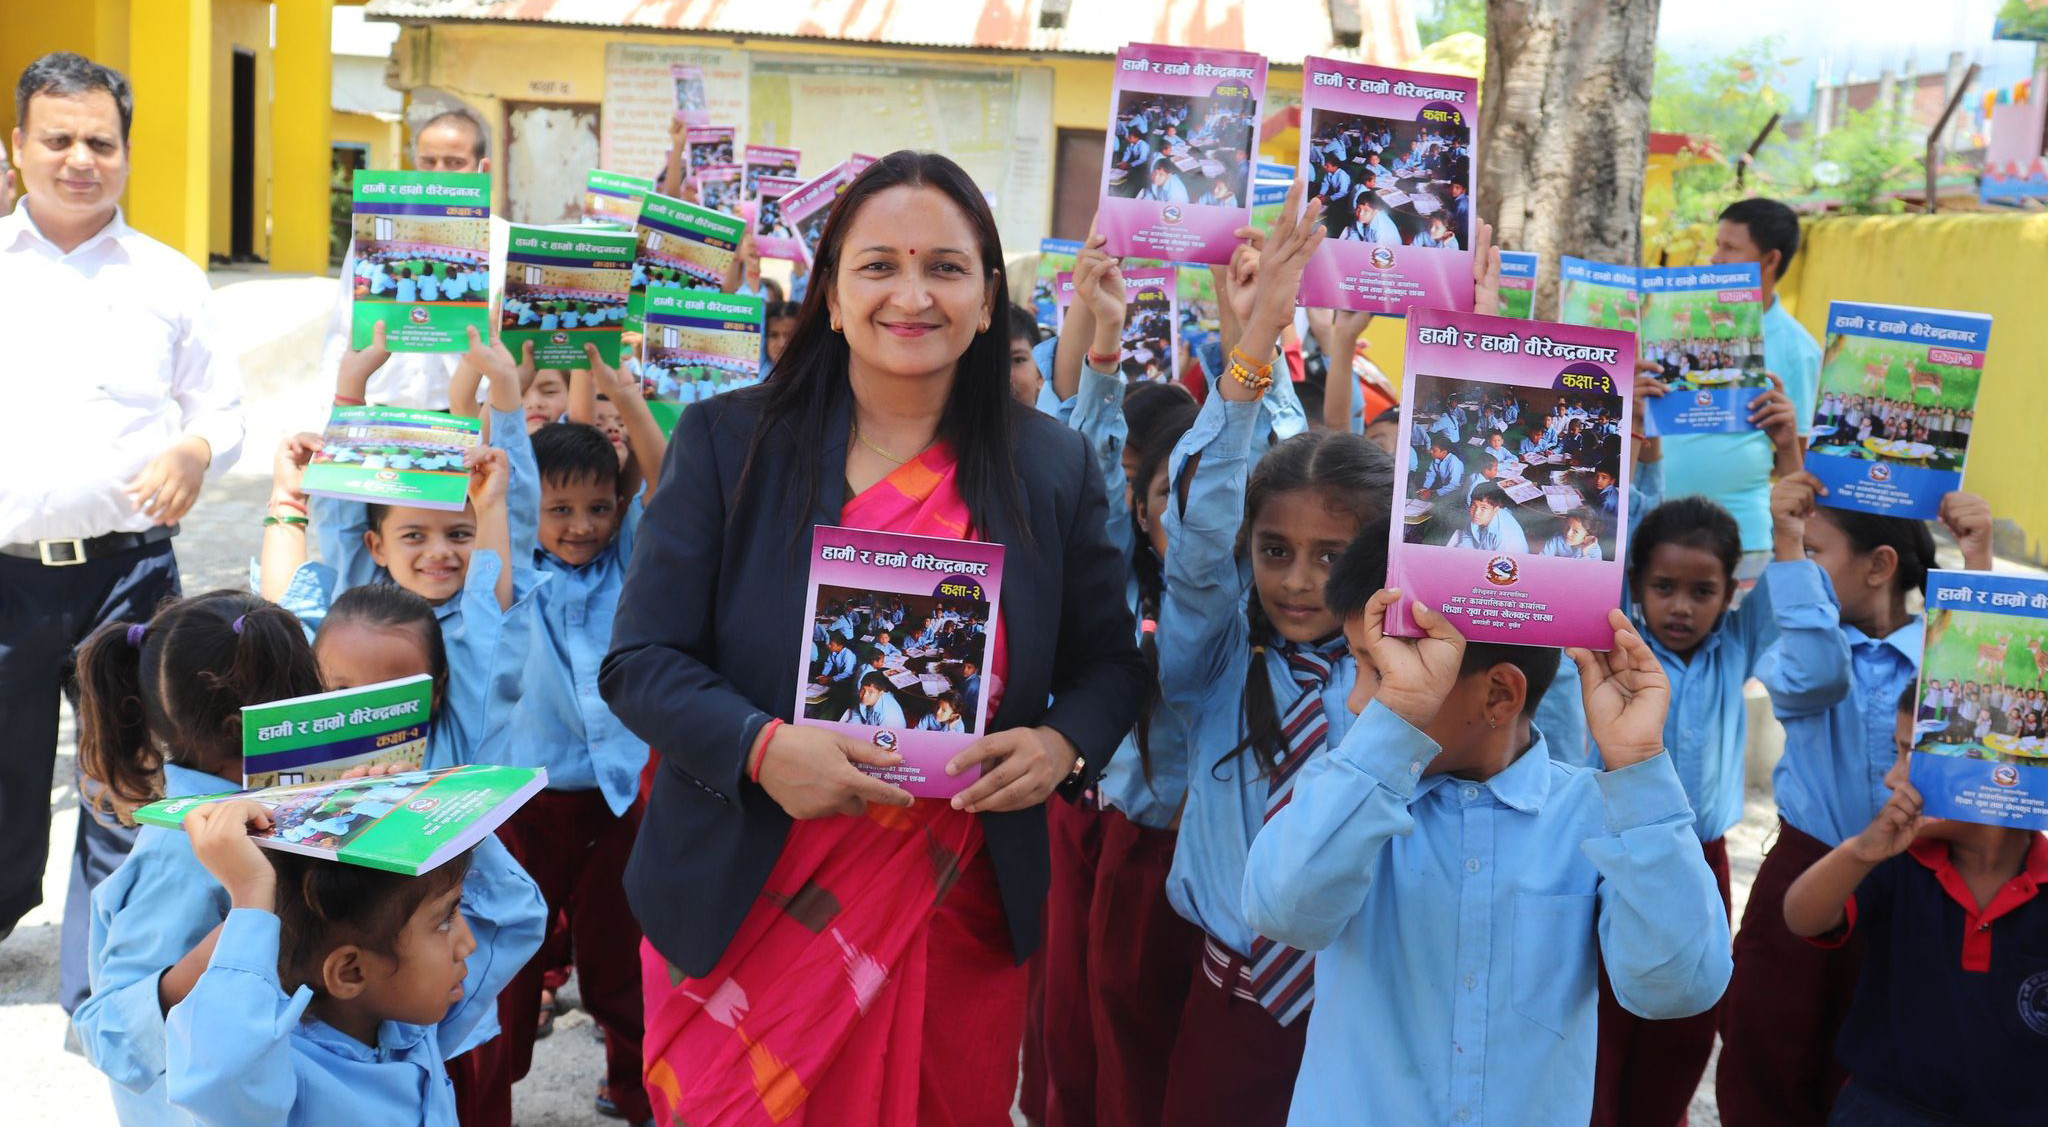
(705, 651)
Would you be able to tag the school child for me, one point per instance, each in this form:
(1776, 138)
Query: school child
(332, 991)
(159, 709)
(574, 836)
(1949, 1018)
(1463, 887)
(1846, 646)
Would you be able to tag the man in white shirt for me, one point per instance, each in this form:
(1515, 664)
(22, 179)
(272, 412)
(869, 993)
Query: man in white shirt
(122, 408)
(452, 142)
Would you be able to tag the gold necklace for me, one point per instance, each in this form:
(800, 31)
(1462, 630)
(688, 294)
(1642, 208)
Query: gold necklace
(863, 440)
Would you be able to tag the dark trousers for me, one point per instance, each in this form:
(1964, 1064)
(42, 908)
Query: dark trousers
(1141, 958)
(1784, 1006)
(45, 612)
(575, 849)
(1647, 1071)
(1233, 1065)
(1860, 1105)
(1068, 1047)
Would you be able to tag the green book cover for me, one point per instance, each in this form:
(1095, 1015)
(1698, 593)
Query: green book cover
(314, 739)
(696, 345)
(406, 823)
(422, 259)
(614, 197)
(394, 456)
(682, 246)
(565, 287)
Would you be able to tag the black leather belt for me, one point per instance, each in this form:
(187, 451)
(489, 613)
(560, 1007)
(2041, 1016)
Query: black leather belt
(70, 551)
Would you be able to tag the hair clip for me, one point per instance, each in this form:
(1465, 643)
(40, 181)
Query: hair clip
(1256, 650)
(136, 634)
(237, 624)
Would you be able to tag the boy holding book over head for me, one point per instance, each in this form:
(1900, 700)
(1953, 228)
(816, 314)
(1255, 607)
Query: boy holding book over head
(1950, 1016)
(1464, 888)
(574, 837)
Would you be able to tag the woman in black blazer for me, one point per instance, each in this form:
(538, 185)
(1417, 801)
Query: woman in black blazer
(797, 925)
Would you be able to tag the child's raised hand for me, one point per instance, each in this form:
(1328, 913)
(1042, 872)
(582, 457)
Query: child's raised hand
(1237, 281)
(612, 383)
(489, 475)
(289, 466)
(1773, 413)
(1485, 269)
(220, 839)
(357, 366)
(1626, 695)
(1894, 828)
(1968, 518)
(1292, 242)
(1104, 290)
(1366, 684)
(1792, 501)
(1415, 674)
(492, 359)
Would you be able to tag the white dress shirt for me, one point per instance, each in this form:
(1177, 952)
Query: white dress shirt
(110, 359)
(408, 379)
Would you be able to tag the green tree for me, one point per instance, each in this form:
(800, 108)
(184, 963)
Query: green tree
(1449, 17)
(1875, 154)
(1724, 102)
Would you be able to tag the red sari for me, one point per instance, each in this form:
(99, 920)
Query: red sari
(872, 983)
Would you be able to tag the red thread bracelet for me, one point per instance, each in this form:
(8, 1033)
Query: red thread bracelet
(348, 401)
(761, 749)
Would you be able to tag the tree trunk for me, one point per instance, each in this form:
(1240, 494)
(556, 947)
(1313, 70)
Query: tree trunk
(1564, 129)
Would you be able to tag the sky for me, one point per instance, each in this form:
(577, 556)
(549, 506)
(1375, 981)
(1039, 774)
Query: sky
(1856, 38)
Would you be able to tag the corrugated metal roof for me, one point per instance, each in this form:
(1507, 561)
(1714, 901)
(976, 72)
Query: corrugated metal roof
(1285, 31)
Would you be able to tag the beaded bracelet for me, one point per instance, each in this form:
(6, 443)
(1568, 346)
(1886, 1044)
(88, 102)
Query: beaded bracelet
(1249, 372)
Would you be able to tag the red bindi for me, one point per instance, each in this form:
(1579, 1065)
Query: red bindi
(913, 252)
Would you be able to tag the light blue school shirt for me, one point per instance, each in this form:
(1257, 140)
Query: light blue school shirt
(558, 720)
(1443, 474)
(1202, 674)
(1707, 728)
(1836, 690)
(886, 713)
(1096, 411)
(241, 1051)
(838, 666)
(1462, 925)
(161, 902)
(1735, 469)
(1378, 229)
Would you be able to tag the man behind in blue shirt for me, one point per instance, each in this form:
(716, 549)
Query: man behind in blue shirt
(1735, 470)
(1463, 888)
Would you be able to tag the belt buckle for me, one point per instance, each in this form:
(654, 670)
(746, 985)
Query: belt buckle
(75, 545)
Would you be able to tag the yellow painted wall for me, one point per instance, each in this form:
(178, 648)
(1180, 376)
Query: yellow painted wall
(1981, 263)
(174, 125)
(243, 24)
(383, 138)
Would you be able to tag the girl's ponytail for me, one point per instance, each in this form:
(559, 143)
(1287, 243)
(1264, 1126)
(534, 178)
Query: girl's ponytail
(114, 751)
(173, 691)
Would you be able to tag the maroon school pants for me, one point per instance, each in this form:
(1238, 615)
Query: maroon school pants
(1141, 960)
(1785, 1005)
(1647, 1071)
(1067, 1041)
(1233, 1065)
(575, 849)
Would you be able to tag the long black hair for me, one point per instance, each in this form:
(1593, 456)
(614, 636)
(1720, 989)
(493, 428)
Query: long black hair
(1156, 428)
(980, 417)
(1350, 474)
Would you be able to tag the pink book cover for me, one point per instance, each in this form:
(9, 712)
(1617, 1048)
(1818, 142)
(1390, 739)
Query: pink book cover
(718, 188)
(709, 146)
(1151, 338)
(1511, 500)
(1389, 152)
(1183, 139)
(767, 160)
(806, 207)
(897, 646)
(692, 105)
(774, 237)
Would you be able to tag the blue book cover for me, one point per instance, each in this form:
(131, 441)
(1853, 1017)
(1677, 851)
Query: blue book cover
(1702, 325)
(1898, 399)
(1518, 283)
(1980, 741)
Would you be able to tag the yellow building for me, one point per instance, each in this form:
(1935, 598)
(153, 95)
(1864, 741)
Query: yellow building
(231, 140)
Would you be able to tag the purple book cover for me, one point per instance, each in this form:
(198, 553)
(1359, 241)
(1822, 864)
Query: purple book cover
(897, 649)
(692, 106)
(1184, 125)
(773, 235)
(768, 160)
(1511, 504)
(1389, 152)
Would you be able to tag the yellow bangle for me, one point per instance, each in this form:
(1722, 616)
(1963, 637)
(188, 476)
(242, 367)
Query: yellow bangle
(1248, 372)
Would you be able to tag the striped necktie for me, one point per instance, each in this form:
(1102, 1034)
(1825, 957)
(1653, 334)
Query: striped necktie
(1283, 977)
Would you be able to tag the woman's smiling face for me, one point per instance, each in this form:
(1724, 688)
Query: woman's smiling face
(911, 291)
